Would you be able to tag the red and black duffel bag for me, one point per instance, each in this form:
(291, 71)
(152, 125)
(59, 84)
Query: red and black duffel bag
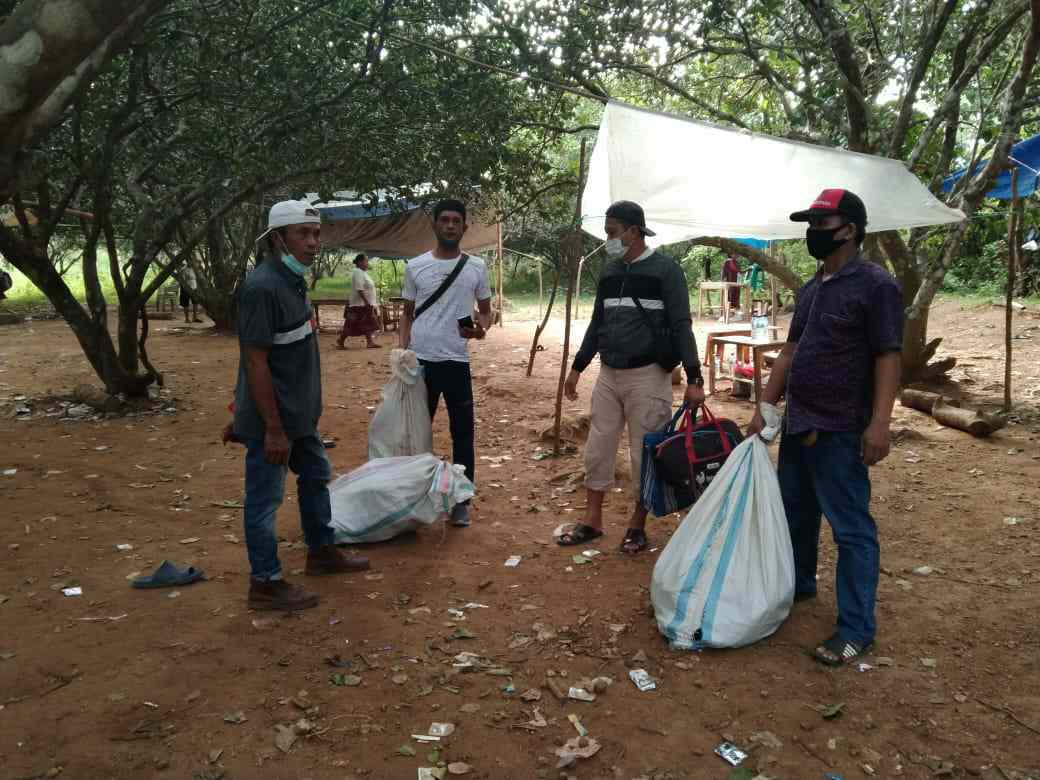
(690, 458)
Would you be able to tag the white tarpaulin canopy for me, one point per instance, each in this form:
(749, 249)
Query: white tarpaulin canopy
(696, 179)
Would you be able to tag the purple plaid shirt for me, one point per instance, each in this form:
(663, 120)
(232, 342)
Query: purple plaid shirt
(840, 326)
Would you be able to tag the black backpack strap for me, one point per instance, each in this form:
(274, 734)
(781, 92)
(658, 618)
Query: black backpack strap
(646, 317)
(448, 281)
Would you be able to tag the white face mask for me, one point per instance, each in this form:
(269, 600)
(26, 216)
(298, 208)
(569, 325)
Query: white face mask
(614, 248)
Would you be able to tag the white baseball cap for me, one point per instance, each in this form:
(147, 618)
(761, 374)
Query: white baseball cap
(290, 212)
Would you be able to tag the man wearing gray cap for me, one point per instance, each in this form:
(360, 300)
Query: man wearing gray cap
(277, 406)
(641, 329)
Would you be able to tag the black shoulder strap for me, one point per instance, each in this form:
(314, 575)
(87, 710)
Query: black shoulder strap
(646, 317)
(448, 281)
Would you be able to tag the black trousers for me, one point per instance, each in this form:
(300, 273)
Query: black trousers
(452, 379)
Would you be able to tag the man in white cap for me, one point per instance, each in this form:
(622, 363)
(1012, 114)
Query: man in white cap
(277, 406)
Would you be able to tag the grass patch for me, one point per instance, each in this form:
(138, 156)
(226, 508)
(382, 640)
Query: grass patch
(25, 295)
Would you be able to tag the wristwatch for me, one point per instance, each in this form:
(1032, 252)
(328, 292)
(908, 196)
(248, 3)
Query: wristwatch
(697, 380)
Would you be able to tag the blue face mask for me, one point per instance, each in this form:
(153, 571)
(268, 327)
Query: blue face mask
(294, 265)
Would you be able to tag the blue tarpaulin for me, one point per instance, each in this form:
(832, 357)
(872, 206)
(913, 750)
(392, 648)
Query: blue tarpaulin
(757, 243)
(1026, 155)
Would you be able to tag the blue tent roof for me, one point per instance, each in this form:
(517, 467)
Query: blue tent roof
(1026, 154)
(335, 211)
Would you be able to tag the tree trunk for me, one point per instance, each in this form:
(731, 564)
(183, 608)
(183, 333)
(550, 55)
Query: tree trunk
(570, 255)
(127, 336)
(915, 352)
(545, 321)
(571, 274)
(91, 332)
(63, 44)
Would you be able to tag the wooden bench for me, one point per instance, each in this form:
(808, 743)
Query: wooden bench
(317, 303)
(390, 312)
(705, 289)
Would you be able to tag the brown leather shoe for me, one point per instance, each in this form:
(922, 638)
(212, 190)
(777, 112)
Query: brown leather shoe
(329, 560)
(280, 595)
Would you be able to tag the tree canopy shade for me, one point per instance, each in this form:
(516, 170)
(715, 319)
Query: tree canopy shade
(215, 107)
(697, 179)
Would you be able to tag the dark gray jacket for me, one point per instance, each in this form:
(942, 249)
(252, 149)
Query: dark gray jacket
(620, 333)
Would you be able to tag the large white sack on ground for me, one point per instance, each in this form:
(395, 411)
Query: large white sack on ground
(391, 496)
(726, 577)
(401, 424)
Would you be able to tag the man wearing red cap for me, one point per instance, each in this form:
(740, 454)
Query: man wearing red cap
(839, 371)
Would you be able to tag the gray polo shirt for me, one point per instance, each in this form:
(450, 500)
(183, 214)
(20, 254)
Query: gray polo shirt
(274, 313)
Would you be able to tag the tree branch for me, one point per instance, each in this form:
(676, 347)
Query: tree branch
(784, 274)
(929, 42)
(951, 103)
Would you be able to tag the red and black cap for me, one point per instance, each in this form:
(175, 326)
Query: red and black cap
(630, 213)
(835, 201)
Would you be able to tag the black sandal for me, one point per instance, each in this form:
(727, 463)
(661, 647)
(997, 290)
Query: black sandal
(634, 541)
(580, 534)
(838, 652)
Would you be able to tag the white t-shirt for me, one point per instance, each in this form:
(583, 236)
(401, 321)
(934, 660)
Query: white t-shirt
(435, 335)
(360, 280)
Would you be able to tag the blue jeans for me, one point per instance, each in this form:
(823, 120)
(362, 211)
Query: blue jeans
(830, 476)
(265, 489)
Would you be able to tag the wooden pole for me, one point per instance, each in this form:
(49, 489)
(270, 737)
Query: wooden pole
(774, 299)
(571, 256)
(1013, 243)
(501, 283)
(577, 292)
(544, 319)
(540, 291)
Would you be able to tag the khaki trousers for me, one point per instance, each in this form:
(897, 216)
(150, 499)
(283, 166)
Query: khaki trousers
(640, 397)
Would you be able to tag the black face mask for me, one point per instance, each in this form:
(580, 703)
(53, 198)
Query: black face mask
(821, 243)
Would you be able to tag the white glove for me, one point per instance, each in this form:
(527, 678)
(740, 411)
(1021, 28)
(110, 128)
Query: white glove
(773, 420)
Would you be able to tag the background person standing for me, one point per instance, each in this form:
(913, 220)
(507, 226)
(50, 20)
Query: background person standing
(641, 299)
(840, 372)
(359, 316)
(439, 290)
(277, 407)
(189, 283)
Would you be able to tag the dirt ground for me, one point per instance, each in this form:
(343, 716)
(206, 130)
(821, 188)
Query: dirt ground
(121, 683)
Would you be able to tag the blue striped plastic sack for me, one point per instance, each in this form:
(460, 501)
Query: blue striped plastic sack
(726, 577)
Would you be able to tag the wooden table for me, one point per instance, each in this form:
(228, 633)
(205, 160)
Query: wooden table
(732, 330)
(317, 303)
(390, 313)
(723, 289)
(758, 351)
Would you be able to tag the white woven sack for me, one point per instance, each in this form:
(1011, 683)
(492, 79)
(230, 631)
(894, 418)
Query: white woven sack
(390, 496)
(401, 424)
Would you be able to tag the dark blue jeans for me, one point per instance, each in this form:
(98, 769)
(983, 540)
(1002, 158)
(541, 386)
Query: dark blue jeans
(265, 489)
(452, 379)
(830, 477)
